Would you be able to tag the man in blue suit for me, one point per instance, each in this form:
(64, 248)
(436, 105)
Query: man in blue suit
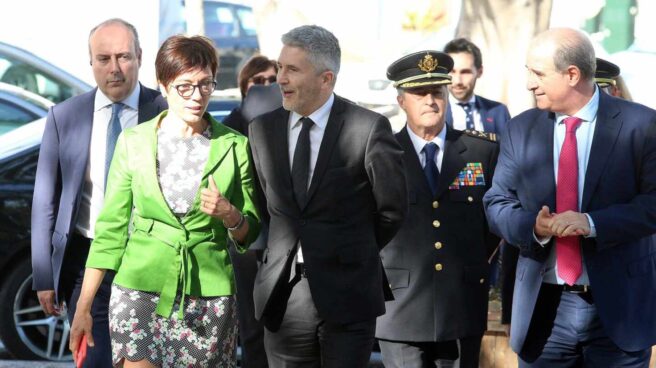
(575, 190)
(69, 190)
(467, 111)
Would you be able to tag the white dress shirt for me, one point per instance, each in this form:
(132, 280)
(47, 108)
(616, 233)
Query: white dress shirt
(584, 135)
(320, 119)
(418, 143)
(93, 191)
(460, 116)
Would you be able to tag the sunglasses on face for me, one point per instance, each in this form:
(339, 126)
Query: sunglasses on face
(263, 80)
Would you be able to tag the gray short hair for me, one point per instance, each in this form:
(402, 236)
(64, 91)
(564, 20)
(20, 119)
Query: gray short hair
(320, 44)
(577, 51)
(130, 27)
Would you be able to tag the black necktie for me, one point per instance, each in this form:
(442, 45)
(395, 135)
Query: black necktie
(430, 169)
(113, 131)
(301, 163)
(469, 113)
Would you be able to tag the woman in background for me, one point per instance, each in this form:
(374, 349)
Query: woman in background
(258, 70)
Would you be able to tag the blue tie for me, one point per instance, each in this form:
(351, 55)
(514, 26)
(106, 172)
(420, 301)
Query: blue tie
(113, 131)
(469, 112)
(430, 169)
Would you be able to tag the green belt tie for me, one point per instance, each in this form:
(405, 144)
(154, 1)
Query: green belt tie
(177, 271)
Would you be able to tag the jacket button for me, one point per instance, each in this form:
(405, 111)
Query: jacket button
(438, 245)
(436, 204)
(470, 199)
(438, 267)
(481, 281)
(436, 223)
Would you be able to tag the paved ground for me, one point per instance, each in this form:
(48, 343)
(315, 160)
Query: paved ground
(7, 362)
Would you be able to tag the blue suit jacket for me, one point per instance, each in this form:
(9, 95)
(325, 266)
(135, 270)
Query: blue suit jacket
(63, 158)
(619, 195)
(494, 115)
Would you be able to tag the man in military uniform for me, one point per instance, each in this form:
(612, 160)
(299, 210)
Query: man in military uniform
(437, 264)
(606, 76)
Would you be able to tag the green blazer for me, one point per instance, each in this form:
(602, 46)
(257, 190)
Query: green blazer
(161, 253)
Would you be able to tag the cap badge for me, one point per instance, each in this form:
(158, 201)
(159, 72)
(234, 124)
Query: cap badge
(427, 64)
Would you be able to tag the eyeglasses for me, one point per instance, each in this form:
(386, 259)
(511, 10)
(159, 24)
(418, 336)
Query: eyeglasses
(262, 80)
(187, 89)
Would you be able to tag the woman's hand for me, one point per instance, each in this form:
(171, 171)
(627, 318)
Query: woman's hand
(216, 205)
(82, 325)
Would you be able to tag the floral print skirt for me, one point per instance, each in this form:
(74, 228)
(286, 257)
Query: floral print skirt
(206, 337)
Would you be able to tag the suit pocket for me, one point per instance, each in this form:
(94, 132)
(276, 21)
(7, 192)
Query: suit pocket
(398, 278)
(477, 274)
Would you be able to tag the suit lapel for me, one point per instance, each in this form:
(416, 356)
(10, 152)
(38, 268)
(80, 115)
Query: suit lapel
(334, 126)
(449, 116)
(278, 130)
(412, 164)
(482, 108)
(540, 150)
(605, 135)
(83, 135)
(148, 170)
(452, 161)
(147, 108)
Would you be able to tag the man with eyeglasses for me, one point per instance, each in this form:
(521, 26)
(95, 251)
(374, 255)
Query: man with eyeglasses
(77, 147)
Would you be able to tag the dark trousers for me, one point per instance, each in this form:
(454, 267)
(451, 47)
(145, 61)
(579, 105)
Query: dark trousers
(251, 331)
(70, 285)
(430, 354)
(410, 354)
(304, 340)
(566, 332)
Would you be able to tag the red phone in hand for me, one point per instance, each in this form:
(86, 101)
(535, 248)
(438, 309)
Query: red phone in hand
(81, 355)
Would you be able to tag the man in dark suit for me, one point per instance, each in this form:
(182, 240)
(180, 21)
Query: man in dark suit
(77, 146)
(466, 110)
(333, 178)
(437, 263)
(575, 190)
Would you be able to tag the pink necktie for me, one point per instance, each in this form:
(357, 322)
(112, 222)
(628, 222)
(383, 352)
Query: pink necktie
(568, 250)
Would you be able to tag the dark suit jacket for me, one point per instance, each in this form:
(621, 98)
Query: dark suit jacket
(443, 305)
(494, 115)
(356, 202)
(62, 165)
(619, 195)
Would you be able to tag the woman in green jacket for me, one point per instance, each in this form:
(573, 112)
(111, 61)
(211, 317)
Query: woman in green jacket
(180, 191)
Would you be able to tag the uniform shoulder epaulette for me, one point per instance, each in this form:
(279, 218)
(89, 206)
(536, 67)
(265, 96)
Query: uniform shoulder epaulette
(492, 137)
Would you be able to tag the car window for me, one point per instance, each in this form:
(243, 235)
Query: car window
(220, 21)
(12, 116)
(247, 20)
(29, 78)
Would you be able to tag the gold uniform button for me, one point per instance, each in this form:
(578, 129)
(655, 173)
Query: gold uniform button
(470, 199)
(436, 204)
(436, 223)
(438, 267)
(438, 245)
(481, 281)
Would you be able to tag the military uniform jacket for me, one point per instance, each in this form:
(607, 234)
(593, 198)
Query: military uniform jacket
(437, 263)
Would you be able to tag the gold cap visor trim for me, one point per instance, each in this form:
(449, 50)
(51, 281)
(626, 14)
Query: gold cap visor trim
(604, 82)
(406, 83)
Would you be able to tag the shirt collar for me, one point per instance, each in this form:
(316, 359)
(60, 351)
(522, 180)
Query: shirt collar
(132, 101)
(588, 112)
(454, 101)
(419, 142)
(319, 117)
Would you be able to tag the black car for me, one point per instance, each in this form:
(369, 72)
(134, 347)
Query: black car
(25, 330)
